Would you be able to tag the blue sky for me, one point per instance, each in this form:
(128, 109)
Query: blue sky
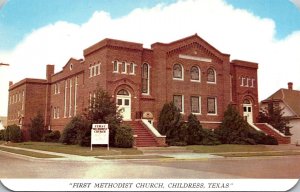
(20, 17)
(34, 33)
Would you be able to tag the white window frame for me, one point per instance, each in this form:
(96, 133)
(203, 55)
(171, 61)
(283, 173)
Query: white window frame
(182, 72)
(199, 75)
(215, 75)
(133, 68)
(65, 96)
(182, 102)
(253, 80)
(125, 63)
(117, 63)
(242, 81)
(148, 82)
(200, 111)
(216, 106)
(70, 100)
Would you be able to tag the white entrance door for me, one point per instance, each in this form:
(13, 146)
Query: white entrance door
(124, 103)
(247, 107)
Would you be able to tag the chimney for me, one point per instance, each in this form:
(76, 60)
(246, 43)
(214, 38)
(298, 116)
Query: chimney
(290, 86)
(49, 72)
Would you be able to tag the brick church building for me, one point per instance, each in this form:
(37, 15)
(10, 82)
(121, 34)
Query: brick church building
(191, 72)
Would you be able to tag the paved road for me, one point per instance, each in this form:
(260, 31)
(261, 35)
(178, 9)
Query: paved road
(13, 166)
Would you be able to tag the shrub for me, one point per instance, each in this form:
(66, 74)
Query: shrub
(194, 130)
(209, 138)
(13, 133)
(36, 129)
(74, 131)
(170, 122)
(2, 134)
(234, 129)
(261, 138)
(52, 136)
(124, 137)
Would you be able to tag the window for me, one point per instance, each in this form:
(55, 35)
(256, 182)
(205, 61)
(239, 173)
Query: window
(123, 92)
(212, 105)
(145, 78)
(116, 67)
(195, 104)
(242, 81)
(253, 80)
(132, 68)
(124, 67)
(94, 70)
(177, 72)
(195, 74)
(178, 102)
(211, 76)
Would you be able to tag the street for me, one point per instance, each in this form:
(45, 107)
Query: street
(14, 166)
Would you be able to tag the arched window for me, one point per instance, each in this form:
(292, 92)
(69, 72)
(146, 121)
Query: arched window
(145, 78)
(211, 75)
(177, 71)
(195, 73)
(116, 66)
(247, 101)
(123, 92)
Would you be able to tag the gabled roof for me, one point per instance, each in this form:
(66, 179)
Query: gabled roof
(291, 98)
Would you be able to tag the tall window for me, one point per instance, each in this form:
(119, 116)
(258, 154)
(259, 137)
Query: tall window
(211, 75)
(132, 68)
(195, 104)
(178, 102)
(195, 73)
(212, 105)
(177, 71)
(145, 78)
(116, 67)
(124, 67)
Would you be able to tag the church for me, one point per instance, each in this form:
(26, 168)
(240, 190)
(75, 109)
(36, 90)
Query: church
(196, 76)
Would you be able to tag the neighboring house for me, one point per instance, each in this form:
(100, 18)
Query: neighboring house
(197, 77)
(3, 122)
(289, 100)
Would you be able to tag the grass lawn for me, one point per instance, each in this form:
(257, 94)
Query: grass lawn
(134, 157)
(227, 148)
(76, 149)
(29, 153)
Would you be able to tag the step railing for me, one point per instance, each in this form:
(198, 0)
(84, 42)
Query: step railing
(160, 139)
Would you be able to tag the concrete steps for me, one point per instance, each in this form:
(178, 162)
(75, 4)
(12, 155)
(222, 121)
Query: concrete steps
(269, 130)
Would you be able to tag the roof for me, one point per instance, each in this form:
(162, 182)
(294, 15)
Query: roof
(27, 81)
(289, 97)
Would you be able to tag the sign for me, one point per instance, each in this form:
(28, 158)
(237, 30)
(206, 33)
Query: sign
(100, 135)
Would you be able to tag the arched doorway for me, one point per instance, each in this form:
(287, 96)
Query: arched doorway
(124, 103)
(247, 108)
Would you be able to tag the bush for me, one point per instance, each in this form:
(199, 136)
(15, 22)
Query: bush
(74, 131)
(234, 129)
(52, 136)
(261, 138)
(2, 135)
(124, 137)
(194, 130)
(209, 138)
(170, 122)
(13, 133)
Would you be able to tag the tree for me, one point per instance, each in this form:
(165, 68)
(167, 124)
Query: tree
(124, 137)
(74, 131)
(103, 109)
(234, 129)
(195, 130)
(170, 122)
(36, 129)
(273, 115)
(13, 133)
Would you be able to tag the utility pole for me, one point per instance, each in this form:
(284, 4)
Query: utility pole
(4, 64)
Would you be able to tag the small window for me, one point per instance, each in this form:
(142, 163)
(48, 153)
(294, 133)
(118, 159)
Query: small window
(123, 67)
(211, 75)
(123, 92)
(177, 71)
(242, 81)
(116, 67)
(132, 68)
(126, 102)
(195, 105)
(178, 102)
(119, 101)
(195, 73)
(211, 105)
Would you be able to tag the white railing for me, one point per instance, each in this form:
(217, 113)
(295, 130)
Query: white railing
(151, 128)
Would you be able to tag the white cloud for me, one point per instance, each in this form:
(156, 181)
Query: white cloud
(234, 31)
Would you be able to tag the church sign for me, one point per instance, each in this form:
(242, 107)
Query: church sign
(100, 135)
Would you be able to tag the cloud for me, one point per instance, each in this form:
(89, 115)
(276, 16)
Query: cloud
(234, 31)
(296, 2)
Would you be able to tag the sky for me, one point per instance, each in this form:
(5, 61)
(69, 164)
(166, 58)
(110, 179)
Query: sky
(34, 33)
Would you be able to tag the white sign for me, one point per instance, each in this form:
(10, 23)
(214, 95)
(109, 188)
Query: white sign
(100, 134)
